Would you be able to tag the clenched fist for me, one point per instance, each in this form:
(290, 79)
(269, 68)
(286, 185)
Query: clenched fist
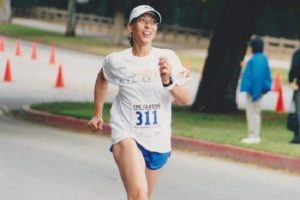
(96, 123)
(165, 70)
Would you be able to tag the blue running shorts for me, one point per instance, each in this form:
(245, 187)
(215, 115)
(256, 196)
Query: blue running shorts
(153, 160)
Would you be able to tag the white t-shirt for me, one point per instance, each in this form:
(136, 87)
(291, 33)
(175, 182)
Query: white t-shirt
(142, 107)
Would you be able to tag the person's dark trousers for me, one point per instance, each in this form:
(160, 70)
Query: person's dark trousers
(296, 138)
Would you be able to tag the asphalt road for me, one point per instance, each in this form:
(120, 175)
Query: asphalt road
(39, 163)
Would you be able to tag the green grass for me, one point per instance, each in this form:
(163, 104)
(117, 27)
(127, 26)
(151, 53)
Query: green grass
(84, 44)
(192, 62)
(225, 129)
(82, 110)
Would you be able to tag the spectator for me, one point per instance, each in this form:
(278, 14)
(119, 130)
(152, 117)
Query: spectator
(256, 81)
(294, 80)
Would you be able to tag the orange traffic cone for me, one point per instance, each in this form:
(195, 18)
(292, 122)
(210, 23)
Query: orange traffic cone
(60, 79)
(277, 82)
(277, 87)
(2, 44)
(33, 51)
(279, 104)
(7, 73)
(52, 56)
(18, 48)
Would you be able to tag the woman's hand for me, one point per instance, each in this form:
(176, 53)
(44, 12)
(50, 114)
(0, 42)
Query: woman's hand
(96, 123)
(165, 70)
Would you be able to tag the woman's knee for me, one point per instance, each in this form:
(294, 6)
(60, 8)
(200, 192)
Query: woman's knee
(140, 193)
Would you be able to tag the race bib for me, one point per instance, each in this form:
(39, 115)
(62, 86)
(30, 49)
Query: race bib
(145, 116)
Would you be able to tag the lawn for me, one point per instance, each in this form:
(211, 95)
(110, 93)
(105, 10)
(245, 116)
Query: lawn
(85, 44)
(225, 129)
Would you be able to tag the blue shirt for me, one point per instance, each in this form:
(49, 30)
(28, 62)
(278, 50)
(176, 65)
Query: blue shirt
(256, 79)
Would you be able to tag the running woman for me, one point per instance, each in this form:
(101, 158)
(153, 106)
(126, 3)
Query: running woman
(149, 79)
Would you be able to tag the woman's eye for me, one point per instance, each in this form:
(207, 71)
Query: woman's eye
(144, 21)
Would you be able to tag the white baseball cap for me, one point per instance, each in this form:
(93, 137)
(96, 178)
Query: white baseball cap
(139, 10)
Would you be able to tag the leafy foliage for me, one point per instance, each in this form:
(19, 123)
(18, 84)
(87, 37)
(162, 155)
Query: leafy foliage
(280, 19)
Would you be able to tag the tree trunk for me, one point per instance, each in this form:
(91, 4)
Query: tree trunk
(217, 90)
(118, 27)
(71, 21)
(5, 11)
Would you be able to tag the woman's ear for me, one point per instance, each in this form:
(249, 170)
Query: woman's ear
(129, 28)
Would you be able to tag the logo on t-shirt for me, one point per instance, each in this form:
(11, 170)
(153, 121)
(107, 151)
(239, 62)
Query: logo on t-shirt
(140, 76)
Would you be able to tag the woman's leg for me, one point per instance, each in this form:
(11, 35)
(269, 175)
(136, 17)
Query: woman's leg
(152, 179)
(253, 116)
(132, 168)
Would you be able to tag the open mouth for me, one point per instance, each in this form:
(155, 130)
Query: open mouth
(146, 33)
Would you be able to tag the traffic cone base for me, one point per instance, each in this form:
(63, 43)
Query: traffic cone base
(279, 104)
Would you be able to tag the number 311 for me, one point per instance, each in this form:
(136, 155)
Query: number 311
(143, 118)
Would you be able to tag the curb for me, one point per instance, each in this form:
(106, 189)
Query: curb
(60, 121)
(239, 154)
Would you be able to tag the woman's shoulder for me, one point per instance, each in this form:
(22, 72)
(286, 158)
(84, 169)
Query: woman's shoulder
(116, 56)
(164, 52)
(161, 50)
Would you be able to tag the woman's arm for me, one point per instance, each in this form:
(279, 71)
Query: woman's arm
(179, 92)
(99, 96)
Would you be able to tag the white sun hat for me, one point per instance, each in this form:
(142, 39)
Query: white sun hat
(139, 10)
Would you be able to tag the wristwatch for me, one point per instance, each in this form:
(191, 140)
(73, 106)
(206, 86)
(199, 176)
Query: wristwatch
(169, 86)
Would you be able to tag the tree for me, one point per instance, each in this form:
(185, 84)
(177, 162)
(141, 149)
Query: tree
(119, 22)
(120, 7)
(5, 11)
(237, 22)
(71, 21)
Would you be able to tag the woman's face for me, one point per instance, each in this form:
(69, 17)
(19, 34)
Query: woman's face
(143, 29)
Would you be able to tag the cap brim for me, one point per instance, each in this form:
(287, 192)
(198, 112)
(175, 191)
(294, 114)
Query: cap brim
(156, 16)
